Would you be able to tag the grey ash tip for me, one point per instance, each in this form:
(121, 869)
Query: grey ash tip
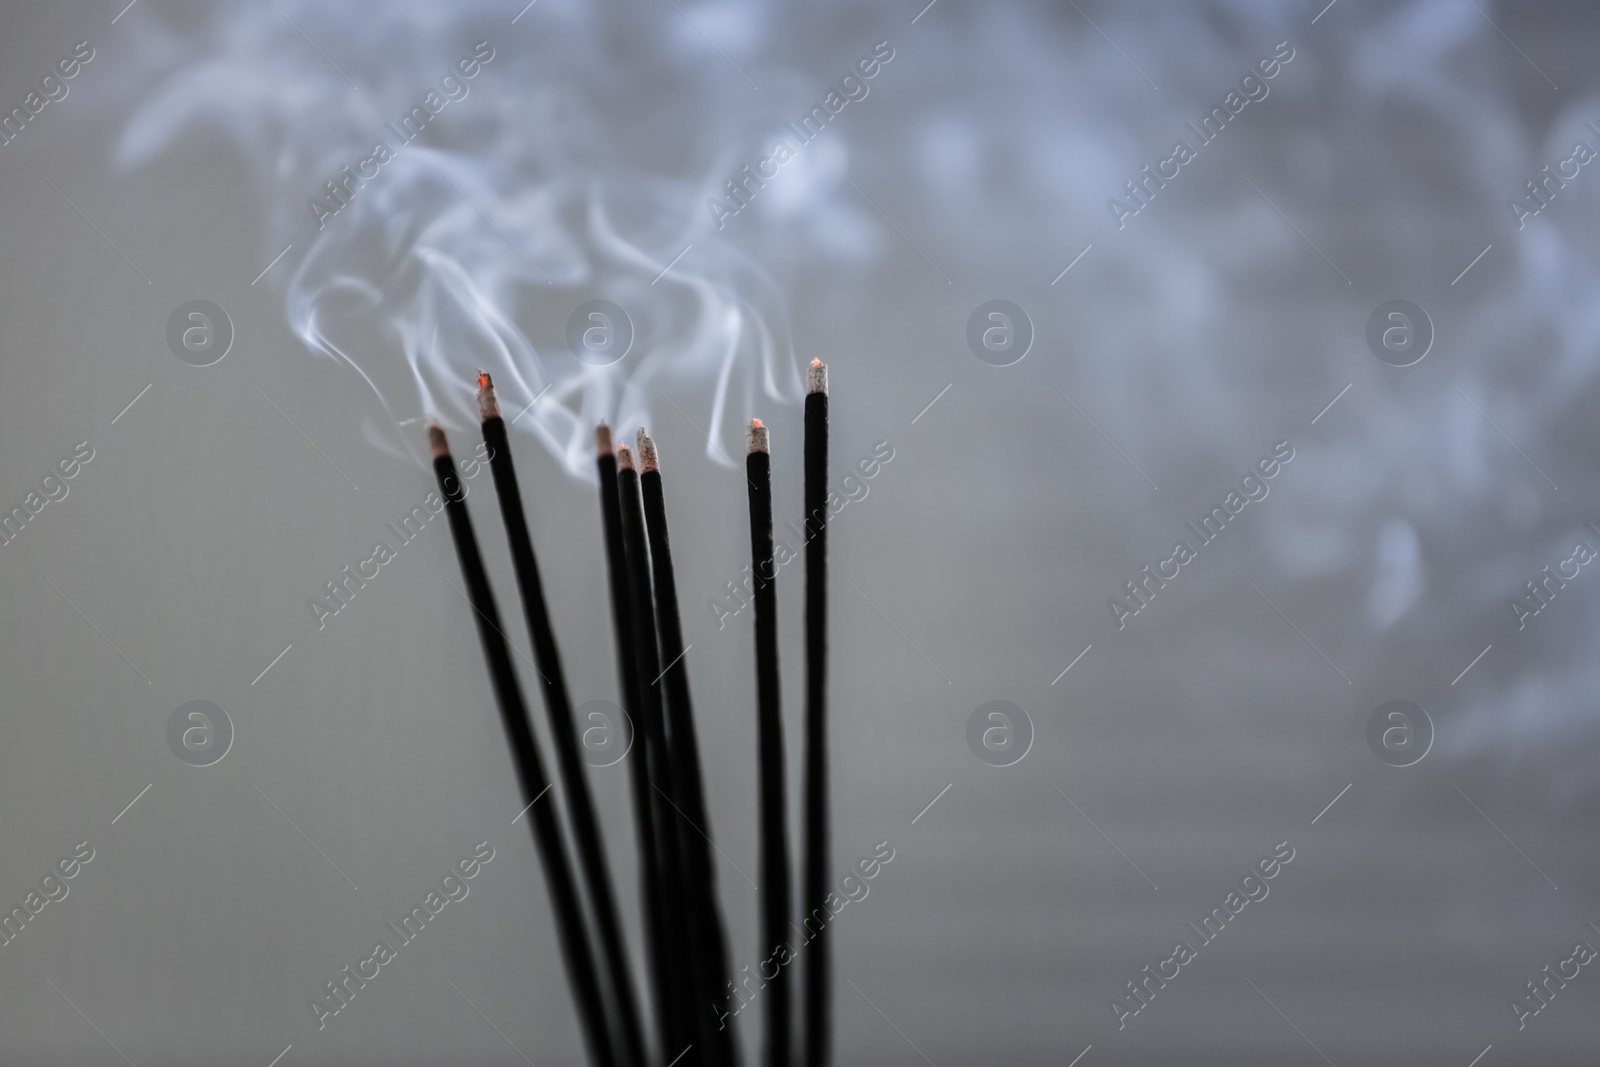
(602, 439)
(758, 437)
(488, 403)
(624, 458)
(436, 440)
(817, 377)
(647, 453)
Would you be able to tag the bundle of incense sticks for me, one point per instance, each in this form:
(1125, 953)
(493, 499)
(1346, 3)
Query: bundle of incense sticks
(688, 972)
(678, 997)
(708, 957)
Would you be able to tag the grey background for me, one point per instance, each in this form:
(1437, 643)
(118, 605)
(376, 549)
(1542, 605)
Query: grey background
(1222, 319)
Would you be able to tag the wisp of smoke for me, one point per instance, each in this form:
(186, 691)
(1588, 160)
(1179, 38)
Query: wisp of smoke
(478, 238)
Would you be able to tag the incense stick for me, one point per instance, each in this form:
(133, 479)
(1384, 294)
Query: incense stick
(769, 721)
(678, 1027)
(818, 1022)
(708, 944)
(558, 709)
(628, 690)
(570, 926)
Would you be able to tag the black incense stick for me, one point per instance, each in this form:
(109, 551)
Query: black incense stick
(708, 941)
(628, 689)
(558, 709)
(570, 926)
(818, 1021)
(678, 1028)
(769, 722)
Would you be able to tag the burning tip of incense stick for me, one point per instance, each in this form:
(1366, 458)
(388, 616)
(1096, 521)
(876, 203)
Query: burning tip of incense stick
(488, 403)
(647, 453)
(602, 439)
(817, 377)
(758, 437)
(436, 440)
(624, 458)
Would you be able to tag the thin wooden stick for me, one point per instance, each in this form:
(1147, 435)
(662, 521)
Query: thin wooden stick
(769, 721)
(817, 1013)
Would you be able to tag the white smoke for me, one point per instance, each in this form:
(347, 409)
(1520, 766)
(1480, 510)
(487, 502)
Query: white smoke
(1396, 134)
(469, 246)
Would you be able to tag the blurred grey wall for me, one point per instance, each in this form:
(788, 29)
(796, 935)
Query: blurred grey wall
(1231, 307)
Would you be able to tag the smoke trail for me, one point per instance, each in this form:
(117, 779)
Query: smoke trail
(453, 220)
